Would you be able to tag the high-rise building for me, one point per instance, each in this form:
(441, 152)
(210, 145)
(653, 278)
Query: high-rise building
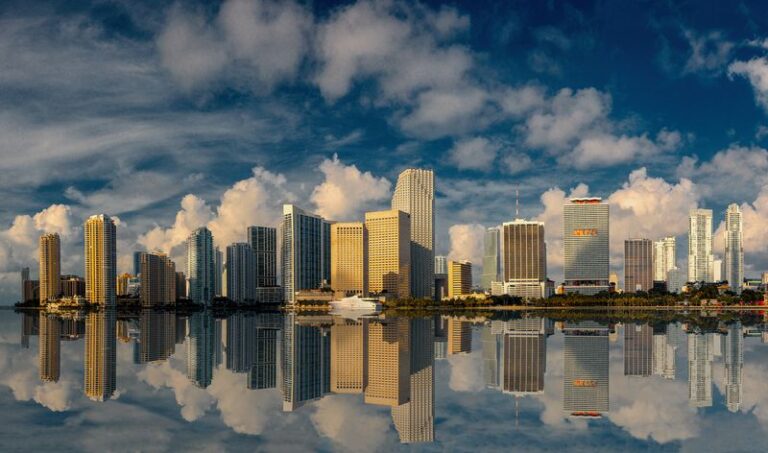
(389, 362)
(50, 267)
(219, 277)
(137, 263)
(349, 258)
(734, 364)
(700, 357)
(24, 280)
(441, 265)
(734, 247)
(415, 195)
(415, 420)
(72, 285)
(586, 243)
(49, 348)
(240, 273)
(664, 257)
(100, 260)
(524, 257)
(100, 354)
(459, 278)
(586, 369)
(491, 257)
(263, 241)
(441, 277)
(638, 350)
(638, 265)
(306, 249)
(200, 343)
(389, 253)
(459, 336)
(201, 273)
(675, 280)
(158, 279)
(349, 352)
(181, 285)
(700, 259)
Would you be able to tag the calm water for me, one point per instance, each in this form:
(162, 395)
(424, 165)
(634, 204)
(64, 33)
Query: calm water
(245, 381)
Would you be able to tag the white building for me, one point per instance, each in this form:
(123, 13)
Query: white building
(586, 243)
(664, 257)
(525, 289)
(675, 280)
(700, 259)
(734, 247)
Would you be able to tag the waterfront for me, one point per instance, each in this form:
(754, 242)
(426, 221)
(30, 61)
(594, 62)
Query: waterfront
(284, 382)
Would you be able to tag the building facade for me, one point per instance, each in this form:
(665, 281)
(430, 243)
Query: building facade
(349, 258)
(415, 195)
(158, 279)
(700, 259)
(100, 260)
(491, 257)
(263, 241)
(586, 369)
(586, 246)
(240, 273)
(734, 248)
(50, 267)
(459, 278)
(389, 252)
(638, 265)
(201, 275)
(664, 257)
(306, 249)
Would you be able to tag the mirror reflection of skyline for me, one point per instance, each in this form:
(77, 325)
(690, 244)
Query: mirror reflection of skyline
(390, 361)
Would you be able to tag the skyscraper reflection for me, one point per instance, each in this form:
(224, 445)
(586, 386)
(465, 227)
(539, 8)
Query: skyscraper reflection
(700, 357)
(415, 420)
(638, 350)
(586, 369)
(734, 363)
(100, 354)
(157, 336)
(305, 361)
(200, 349)
(389, 362)
(49, 349)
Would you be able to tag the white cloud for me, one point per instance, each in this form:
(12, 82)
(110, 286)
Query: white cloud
(710, 52)
(194, 213)
(517, 102)
(341, 419)
(756, 71)
(466, 372)
(19, 243)
(194, 401)
(467, 243)
(347, 192)
(553, 201)
(604, 150)
(747, 165)
(474, 153)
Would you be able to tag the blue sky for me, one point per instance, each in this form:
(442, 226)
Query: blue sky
(128, 107)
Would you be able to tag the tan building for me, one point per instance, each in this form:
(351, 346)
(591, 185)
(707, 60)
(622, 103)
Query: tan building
(50, 267)
(349, 258)
(389, 362)
(100, 260)
(49, 348)
(459, 278)
(122, 284)
(349, 350)
(459, 336)
(158, 279)
(389, 252)
(100, 354)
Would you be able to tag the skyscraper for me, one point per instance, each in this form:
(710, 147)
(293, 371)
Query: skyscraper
(100, 260)
(137, 263)
(349, 258)
(664, 257)
(240, 273)
(263, 241)
(700, 259)
(491, 257)
(638, 265)
(459, 278)
(415, 195)
(181, 285)
(389, 362)
(638, 350)
(734, 248)
(50, 267)
(441, 265)
(158, 279)
(586, 241)
(219, 285)
(389, 252)
(201, 266)
(524, 257)
(24, 285)
(306, 244)
(586, 369)
(100, 354)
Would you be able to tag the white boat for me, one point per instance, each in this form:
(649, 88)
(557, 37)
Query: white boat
(356, 303)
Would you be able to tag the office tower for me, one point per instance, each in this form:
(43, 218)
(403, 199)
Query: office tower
(638, 265)
(415, 420)
(72, 285)
(734, 248)
(49, 347)
(263, 241)
(586, 242)
(24, 280)
(524, 258)
(240, 273)
(200, 342)
(201, 267)
(675, 280)
(664, 257)
(586, 369)
(100, 260)
(441, 265)
(181, 285)
(734, 364)
(263, 374)
(491, 257)
(459, 336)
(524, 356)
(441, 336)
(50, 267)
(700, 259)
(389, 253)
(415, 195)
(304, 362)
(100, 354)
(441, 277)
(219, 276)
(122, 283)
(459, 278)
(157, 336)
(664, 355)
(349, 258)
(306, 244)
(349, 351)
(389, 362)
(158, 279)
(638, 350)
(137, 263)
(700, 357)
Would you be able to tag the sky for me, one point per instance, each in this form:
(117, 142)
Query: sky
(173, 115)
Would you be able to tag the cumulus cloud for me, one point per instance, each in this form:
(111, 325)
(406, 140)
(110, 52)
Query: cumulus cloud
(553, 201)
(240, 43)
(347, 192)
(756, 72)
(467, 243)
(748, 165)
(18, 243)
(342, 418)
(754, 219)
(476, 153)
(194, 401)
(194, 213)
(466, 372)
(709, 54)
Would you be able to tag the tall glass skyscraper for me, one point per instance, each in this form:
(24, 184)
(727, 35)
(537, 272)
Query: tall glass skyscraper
(240, 272)
(734, 248)
(491, 257)
(664, 257)
(50, 267)
(306, 250)
(263, 241)
(415, 195)
(700, 259)
(100, 260)
(200, 266)
(586, 241)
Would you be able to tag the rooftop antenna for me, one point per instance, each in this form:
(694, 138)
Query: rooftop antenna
(517, 202)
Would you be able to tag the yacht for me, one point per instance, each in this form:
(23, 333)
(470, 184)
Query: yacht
(356, 303)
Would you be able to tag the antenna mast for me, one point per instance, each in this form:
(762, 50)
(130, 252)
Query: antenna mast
(517, 202)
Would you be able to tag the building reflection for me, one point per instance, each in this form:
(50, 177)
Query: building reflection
(515, 355)
(49, 347)
(100, 354)
(700, 357)
(585, 380)
(200, 343)
(734, 364)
